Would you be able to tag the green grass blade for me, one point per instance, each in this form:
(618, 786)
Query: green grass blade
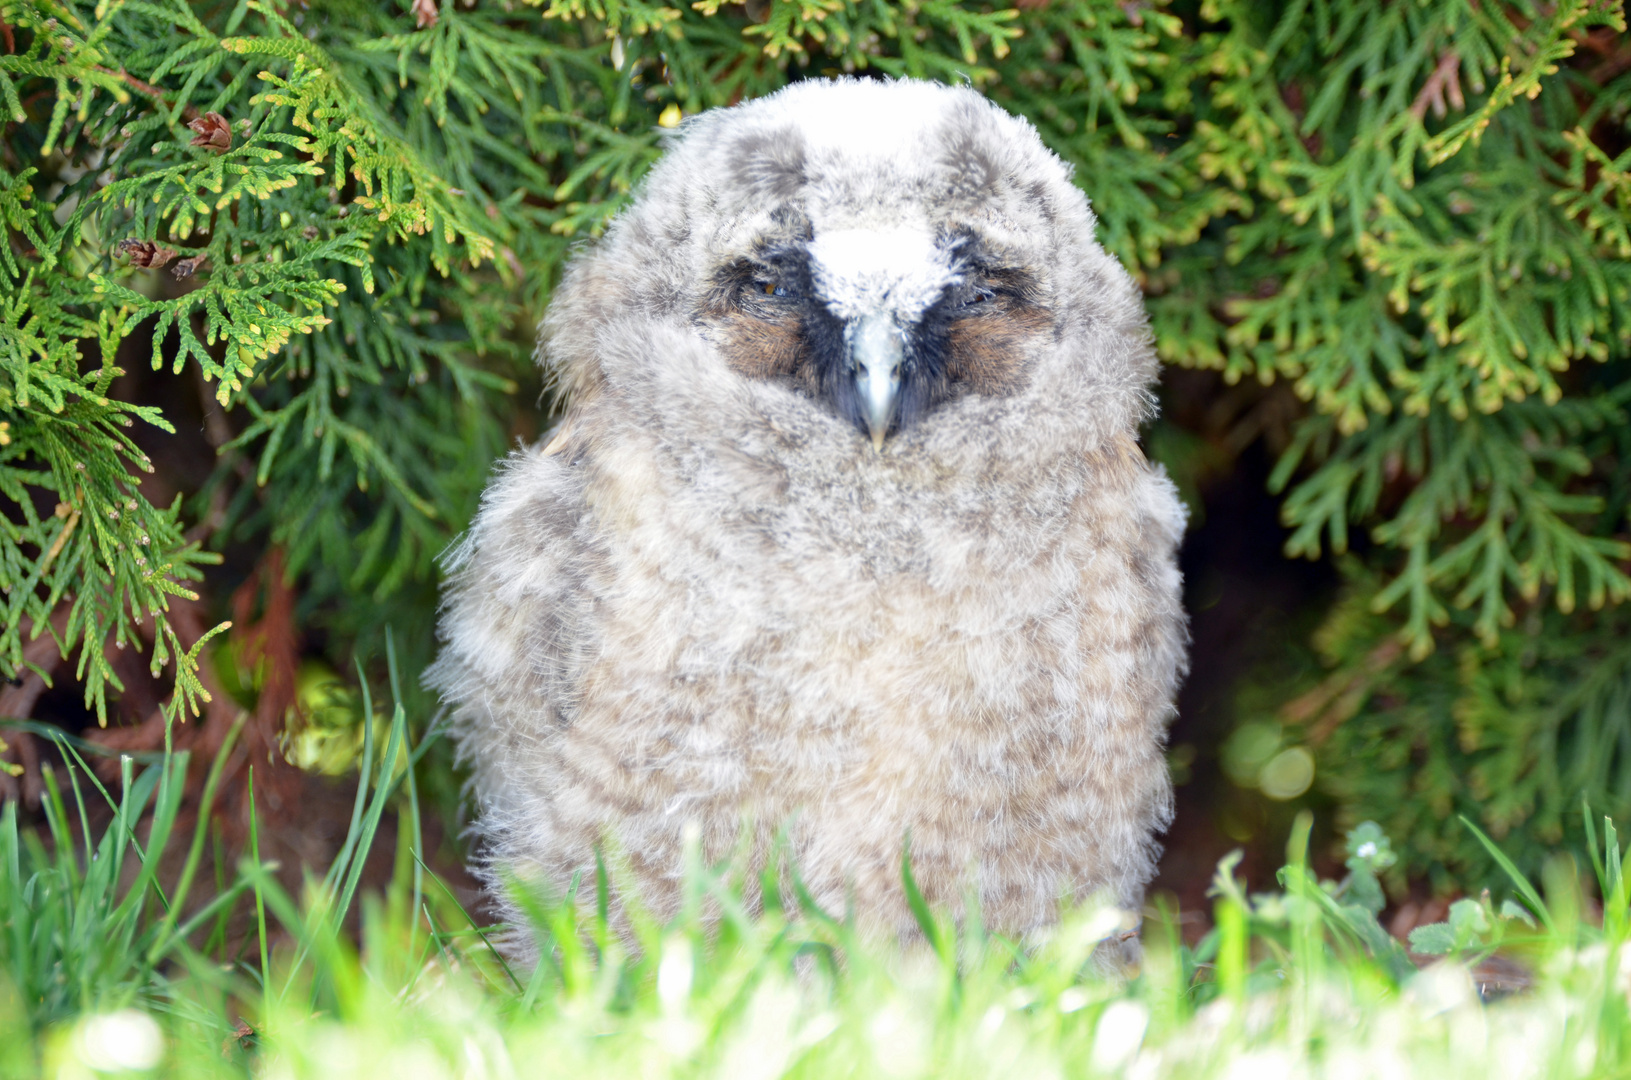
(168, 778)
(384, 785)
(206, 803)
(1591, 848)
(1611, 859)
(342, 861)
(56, 819)
(166, 810)
(475, 927)
(260, 898)
(920, 907)
(221, 901)
(1525, 889)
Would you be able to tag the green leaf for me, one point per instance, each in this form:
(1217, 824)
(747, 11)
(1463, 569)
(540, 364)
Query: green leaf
(1433, 939)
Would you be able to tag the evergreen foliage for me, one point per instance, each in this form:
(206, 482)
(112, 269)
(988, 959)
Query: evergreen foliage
(346, 219)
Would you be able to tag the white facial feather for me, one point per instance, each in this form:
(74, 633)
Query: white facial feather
(898, 272)
(711, 600)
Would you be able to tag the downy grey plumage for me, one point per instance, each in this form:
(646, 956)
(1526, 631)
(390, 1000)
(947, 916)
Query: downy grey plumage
(846, 529)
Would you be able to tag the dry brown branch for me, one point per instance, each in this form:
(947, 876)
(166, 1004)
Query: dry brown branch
(17, 701)
(1444, 82)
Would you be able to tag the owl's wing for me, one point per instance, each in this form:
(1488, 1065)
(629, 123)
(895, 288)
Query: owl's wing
(514, 628)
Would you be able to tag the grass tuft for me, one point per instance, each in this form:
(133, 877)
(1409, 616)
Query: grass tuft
(104, 973)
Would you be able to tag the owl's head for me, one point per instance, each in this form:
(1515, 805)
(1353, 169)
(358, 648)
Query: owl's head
(883, 248)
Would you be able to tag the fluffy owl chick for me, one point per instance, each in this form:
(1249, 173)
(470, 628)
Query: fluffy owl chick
(846, 529)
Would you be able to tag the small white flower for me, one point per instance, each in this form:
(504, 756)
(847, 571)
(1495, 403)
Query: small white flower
(992, 1020)
(1119, 1034)
(674, 973)
(123, 1041)
(1071, 999)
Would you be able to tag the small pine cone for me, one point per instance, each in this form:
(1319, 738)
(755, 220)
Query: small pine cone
(146, 254)
(214, 133)
(188, 267)
(425, 13)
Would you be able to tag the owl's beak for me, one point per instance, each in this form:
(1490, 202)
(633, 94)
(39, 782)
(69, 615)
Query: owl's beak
(876, 351)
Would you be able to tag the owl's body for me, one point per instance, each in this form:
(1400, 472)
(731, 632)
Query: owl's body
(846, 532)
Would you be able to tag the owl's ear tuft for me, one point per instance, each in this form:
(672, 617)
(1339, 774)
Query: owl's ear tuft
(770, 164)
(1041, 197)
(974, 173)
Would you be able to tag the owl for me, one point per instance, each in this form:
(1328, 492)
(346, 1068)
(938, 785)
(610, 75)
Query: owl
(845, 542)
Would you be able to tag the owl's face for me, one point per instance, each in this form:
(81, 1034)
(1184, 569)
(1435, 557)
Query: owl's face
(882, 248)
(881, 325)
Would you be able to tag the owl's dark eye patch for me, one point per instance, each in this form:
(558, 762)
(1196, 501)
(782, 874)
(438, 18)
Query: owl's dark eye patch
(987, 352)
(977, 338)
(747, 284)
(754, 310)
(768, 323)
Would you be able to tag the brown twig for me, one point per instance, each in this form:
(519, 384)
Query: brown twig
(157, 93)
(17, 702)
(1445, 81)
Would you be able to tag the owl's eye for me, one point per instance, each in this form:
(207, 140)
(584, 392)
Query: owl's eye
(771, 288)
(978, 295)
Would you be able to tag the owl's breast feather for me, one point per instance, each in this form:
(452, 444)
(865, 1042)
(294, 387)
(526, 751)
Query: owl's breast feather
(888, 589)
(873, 657)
